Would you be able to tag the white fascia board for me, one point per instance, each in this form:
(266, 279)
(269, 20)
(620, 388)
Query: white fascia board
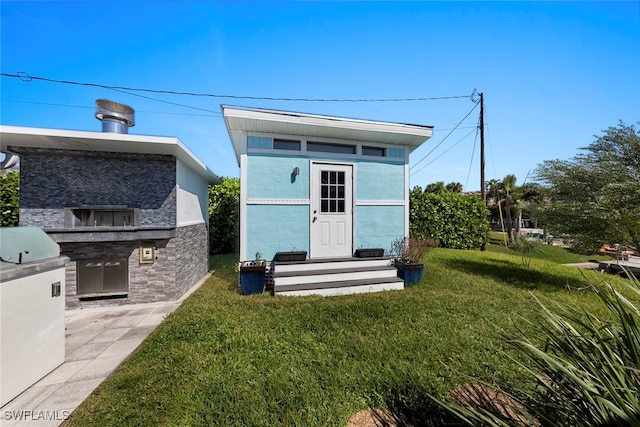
(327, 121)
(62, 139)
(244, 120)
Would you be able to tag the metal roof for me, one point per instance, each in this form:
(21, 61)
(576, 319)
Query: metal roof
(241, 120)
(63, 139)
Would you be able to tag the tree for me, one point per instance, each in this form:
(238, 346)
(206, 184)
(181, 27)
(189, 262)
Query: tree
(435, 188)
(596, 195)
(9, 199)
(454, 187)
(509, 185)
(493, 187)
(224, 216)
(440, 187)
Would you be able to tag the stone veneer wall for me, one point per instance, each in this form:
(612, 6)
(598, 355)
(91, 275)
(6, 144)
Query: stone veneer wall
(147, 282)
(53, 179)
(192, 256)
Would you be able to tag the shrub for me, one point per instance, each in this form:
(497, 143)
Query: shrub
(224, 216)
(452, 220)
(10, 199)
(411, 249)
(525, 247)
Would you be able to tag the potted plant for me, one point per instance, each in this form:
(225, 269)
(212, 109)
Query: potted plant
(408, 253)
(253, 275)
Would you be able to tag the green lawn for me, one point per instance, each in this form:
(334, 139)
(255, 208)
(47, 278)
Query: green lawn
(545, 252)
(227, 359)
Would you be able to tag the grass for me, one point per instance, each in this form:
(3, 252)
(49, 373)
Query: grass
(550, 253)
(226, 359)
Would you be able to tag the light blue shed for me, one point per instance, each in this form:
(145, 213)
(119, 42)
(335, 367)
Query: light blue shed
(321, 184)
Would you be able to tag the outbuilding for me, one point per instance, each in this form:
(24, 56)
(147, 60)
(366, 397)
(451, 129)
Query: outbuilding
(129, 211)
(325, 185)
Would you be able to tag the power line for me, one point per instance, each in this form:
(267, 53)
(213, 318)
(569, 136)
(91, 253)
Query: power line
(26, 77)
(445, 152)
(215, 113)
(444, 139)
(473, 152)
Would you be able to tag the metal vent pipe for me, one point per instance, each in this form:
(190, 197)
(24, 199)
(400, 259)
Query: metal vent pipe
(115, 117)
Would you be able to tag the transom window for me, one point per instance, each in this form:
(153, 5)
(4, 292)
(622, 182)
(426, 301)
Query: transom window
(332, 195)
(373, 151)
(321, 147)
(286, 144)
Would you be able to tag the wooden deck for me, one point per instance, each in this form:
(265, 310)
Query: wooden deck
(620, 267)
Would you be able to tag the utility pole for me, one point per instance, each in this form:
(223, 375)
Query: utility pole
(483, 189)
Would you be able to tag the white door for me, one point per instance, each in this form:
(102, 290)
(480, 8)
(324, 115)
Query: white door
(331, 210)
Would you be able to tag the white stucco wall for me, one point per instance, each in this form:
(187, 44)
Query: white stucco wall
(32, 330)
(192, 197)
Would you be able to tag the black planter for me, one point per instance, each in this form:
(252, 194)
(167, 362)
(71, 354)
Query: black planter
(369, 253)
(290, 256)
(410, 272)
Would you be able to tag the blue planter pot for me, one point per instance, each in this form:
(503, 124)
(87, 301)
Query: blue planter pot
(252, 278)
(411, 273)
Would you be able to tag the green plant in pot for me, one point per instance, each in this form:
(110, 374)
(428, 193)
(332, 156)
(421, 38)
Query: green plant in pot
(408, 253)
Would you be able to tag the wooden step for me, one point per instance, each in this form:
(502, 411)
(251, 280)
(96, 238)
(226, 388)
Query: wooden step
(332, 275)
(341, 288)
(332, 263)
(337, 276)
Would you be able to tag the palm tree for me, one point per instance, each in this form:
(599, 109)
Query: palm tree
(454, 187)
(509, 186)
(436, 188)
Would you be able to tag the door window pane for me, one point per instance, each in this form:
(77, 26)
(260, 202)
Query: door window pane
(332, 192)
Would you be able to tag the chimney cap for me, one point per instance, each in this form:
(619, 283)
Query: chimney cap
(106, 109)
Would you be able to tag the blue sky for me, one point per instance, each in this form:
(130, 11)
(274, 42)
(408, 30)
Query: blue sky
(553, 73)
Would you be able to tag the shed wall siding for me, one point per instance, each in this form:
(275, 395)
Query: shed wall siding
(274, 228)
(277, 203)
(271, 177)
(379, 181)
(378, 226)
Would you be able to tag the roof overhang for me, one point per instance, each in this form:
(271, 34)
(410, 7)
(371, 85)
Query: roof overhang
(62, 139)
(241, 120)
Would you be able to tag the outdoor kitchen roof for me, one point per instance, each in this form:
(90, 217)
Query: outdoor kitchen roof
(100, 141)
(240, 120)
